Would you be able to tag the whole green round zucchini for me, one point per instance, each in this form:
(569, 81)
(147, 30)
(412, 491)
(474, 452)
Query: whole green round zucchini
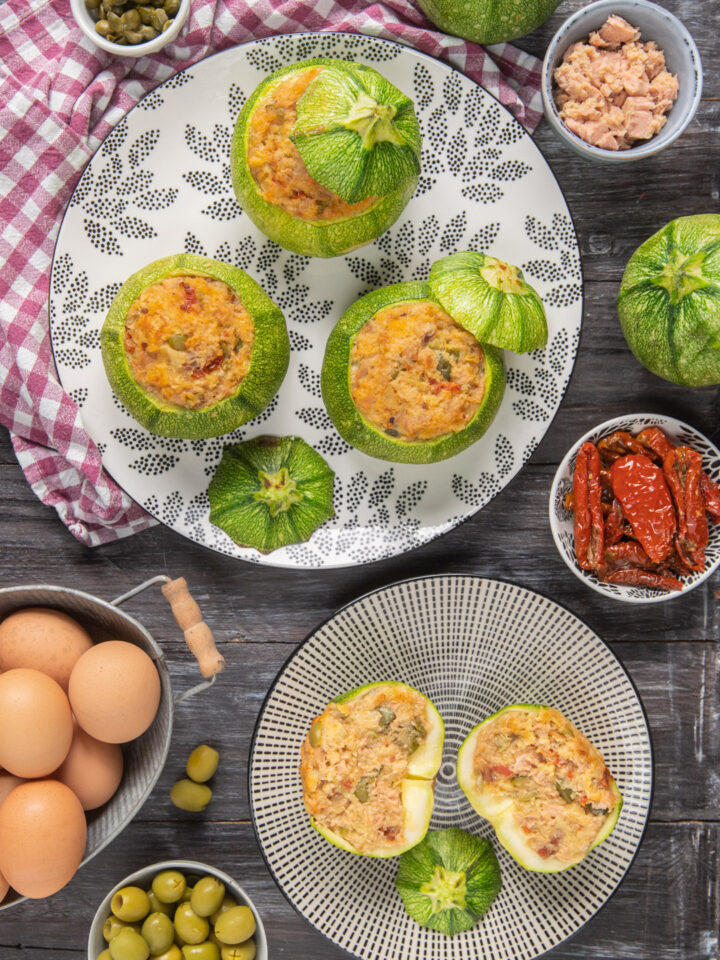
(488, 21)
(365, 436)
(357, 135)
(268, 361)
(669, 301)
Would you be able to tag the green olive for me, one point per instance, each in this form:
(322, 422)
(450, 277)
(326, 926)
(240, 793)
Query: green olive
(130, 904)
(188, 893)
(188, 795)
(172, 954)
(105, 955)
(113, 926)
(228, 902)
(157, 905)
(169, 886)
(315, 734)
(239, 951)
(203, 761)
(158, 930)
(235, 925)
(207, 896)
(129, 945)
(201, 951)
(191, 927)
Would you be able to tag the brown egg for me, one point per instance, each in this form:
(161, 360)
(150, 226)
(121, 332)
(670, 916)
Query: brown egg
(35, 723)
(114, 691)
(7, 783)
(4, 887)
(46, 640)
(42, 837)
(93, 769)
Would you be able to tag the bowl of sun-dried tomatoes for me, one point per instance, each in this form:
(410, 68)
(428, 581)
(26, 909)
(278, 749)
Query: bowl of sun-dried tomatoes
(635, 508)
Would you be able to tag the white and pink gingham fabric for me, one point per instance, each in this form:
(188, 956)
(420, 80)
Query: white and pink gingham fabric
(59, 98)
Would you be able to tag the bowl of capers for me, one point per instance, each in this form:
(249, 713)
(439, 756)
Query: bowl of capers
(130, 28)
(177, 910)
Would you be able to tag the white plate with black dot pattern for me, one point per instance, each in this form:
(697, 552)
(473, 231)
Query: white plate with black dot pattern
(472, 646)
(160, 183)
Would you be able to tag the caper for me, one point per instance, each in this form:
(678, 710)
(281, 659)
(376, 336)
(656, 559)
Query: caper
(190, 927)
(235, 925)
(131, 19)
(239, 951)
(158, 930)
(202, 763)
(145, 14)
(102, 27)
(171, 7)
(113, 926)
(315, 734)
(225, 905)
(207, 896)
(148, 32)
(201, 951)
(129, 945)
(92, 4)
(188, 795)
(177, 341)
(133, 36)
(115, 22)
(169, 886)
(130, 904)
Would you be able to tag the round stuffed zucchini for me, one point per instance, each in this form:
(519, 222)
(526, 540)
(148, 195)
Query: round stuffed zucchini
(402, 381)
(368, 766)
(488, 21)
(542, 785)
(491, 299)
(325, 156)
(194, 347)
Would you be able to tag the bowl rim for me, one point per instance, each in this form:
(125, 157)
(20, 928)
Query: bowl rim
(642, 150)
(607, 426)
(195, 866)
(82, 18)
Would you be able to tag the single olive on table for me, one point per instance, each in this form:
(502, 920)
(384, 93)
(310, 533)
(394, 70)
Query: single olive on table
(179, 920)
(129, 22)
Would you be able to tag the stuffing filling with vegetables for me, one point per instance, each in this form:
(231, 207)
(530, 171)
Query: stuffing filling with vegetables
(556, 779)
(277, 166)
(415, 373)
(354, 760)
(188, 341)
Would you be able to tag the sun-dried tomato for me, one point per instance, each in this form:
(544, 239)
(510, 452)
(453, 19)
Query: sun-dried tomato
(646, 503)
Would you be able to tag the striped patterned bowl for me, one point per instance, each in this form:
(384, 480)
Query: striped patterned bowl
(472, 646)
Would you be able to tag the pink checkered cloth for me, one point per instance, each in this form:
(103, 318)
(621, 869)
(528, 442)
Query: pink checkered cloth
(59, 98)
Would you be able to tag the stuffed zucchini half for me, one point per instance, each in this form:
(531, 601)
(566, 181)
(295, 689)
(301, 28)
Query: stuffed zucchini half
(368, 766)
(402, 381)
(194, 347)
(325, 155)
(542, 785)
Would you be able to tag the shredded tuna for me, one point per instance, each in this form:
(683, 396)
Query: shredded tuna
(614, 90)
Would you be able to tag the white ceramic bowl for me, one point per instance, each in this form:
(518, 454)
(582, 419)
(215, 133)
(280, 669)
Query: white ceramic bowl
(681, 57)
(87, 25)
(143, 878)
(561, 520)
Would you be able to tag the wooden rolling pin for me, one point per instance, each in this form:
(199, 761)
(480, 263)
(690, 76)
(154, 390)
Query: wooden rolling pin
(198, 635)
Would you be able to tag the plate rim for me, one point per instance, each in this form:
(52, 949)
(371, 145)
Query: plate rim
(454, 524)
(410, 580)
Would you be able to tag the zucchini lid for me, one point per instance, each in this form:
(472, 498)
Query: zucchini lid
(417, 789)
(268, 361)
(357, 133)
(491, 299)
(269, 492)
(499, 811)
(365, 436)
(449, 880)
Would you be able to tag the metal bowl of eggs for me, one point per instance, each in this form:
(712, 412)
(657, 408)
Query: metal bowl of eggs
(86, 715)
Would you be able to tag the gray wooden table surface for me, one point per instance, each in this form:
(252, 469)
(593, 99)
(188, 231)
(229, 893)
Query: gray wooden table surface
(668, 907)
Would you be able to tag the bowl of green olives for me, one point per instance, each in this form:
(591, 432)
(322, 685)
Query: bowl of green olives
(130, 28)
(177, 910)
